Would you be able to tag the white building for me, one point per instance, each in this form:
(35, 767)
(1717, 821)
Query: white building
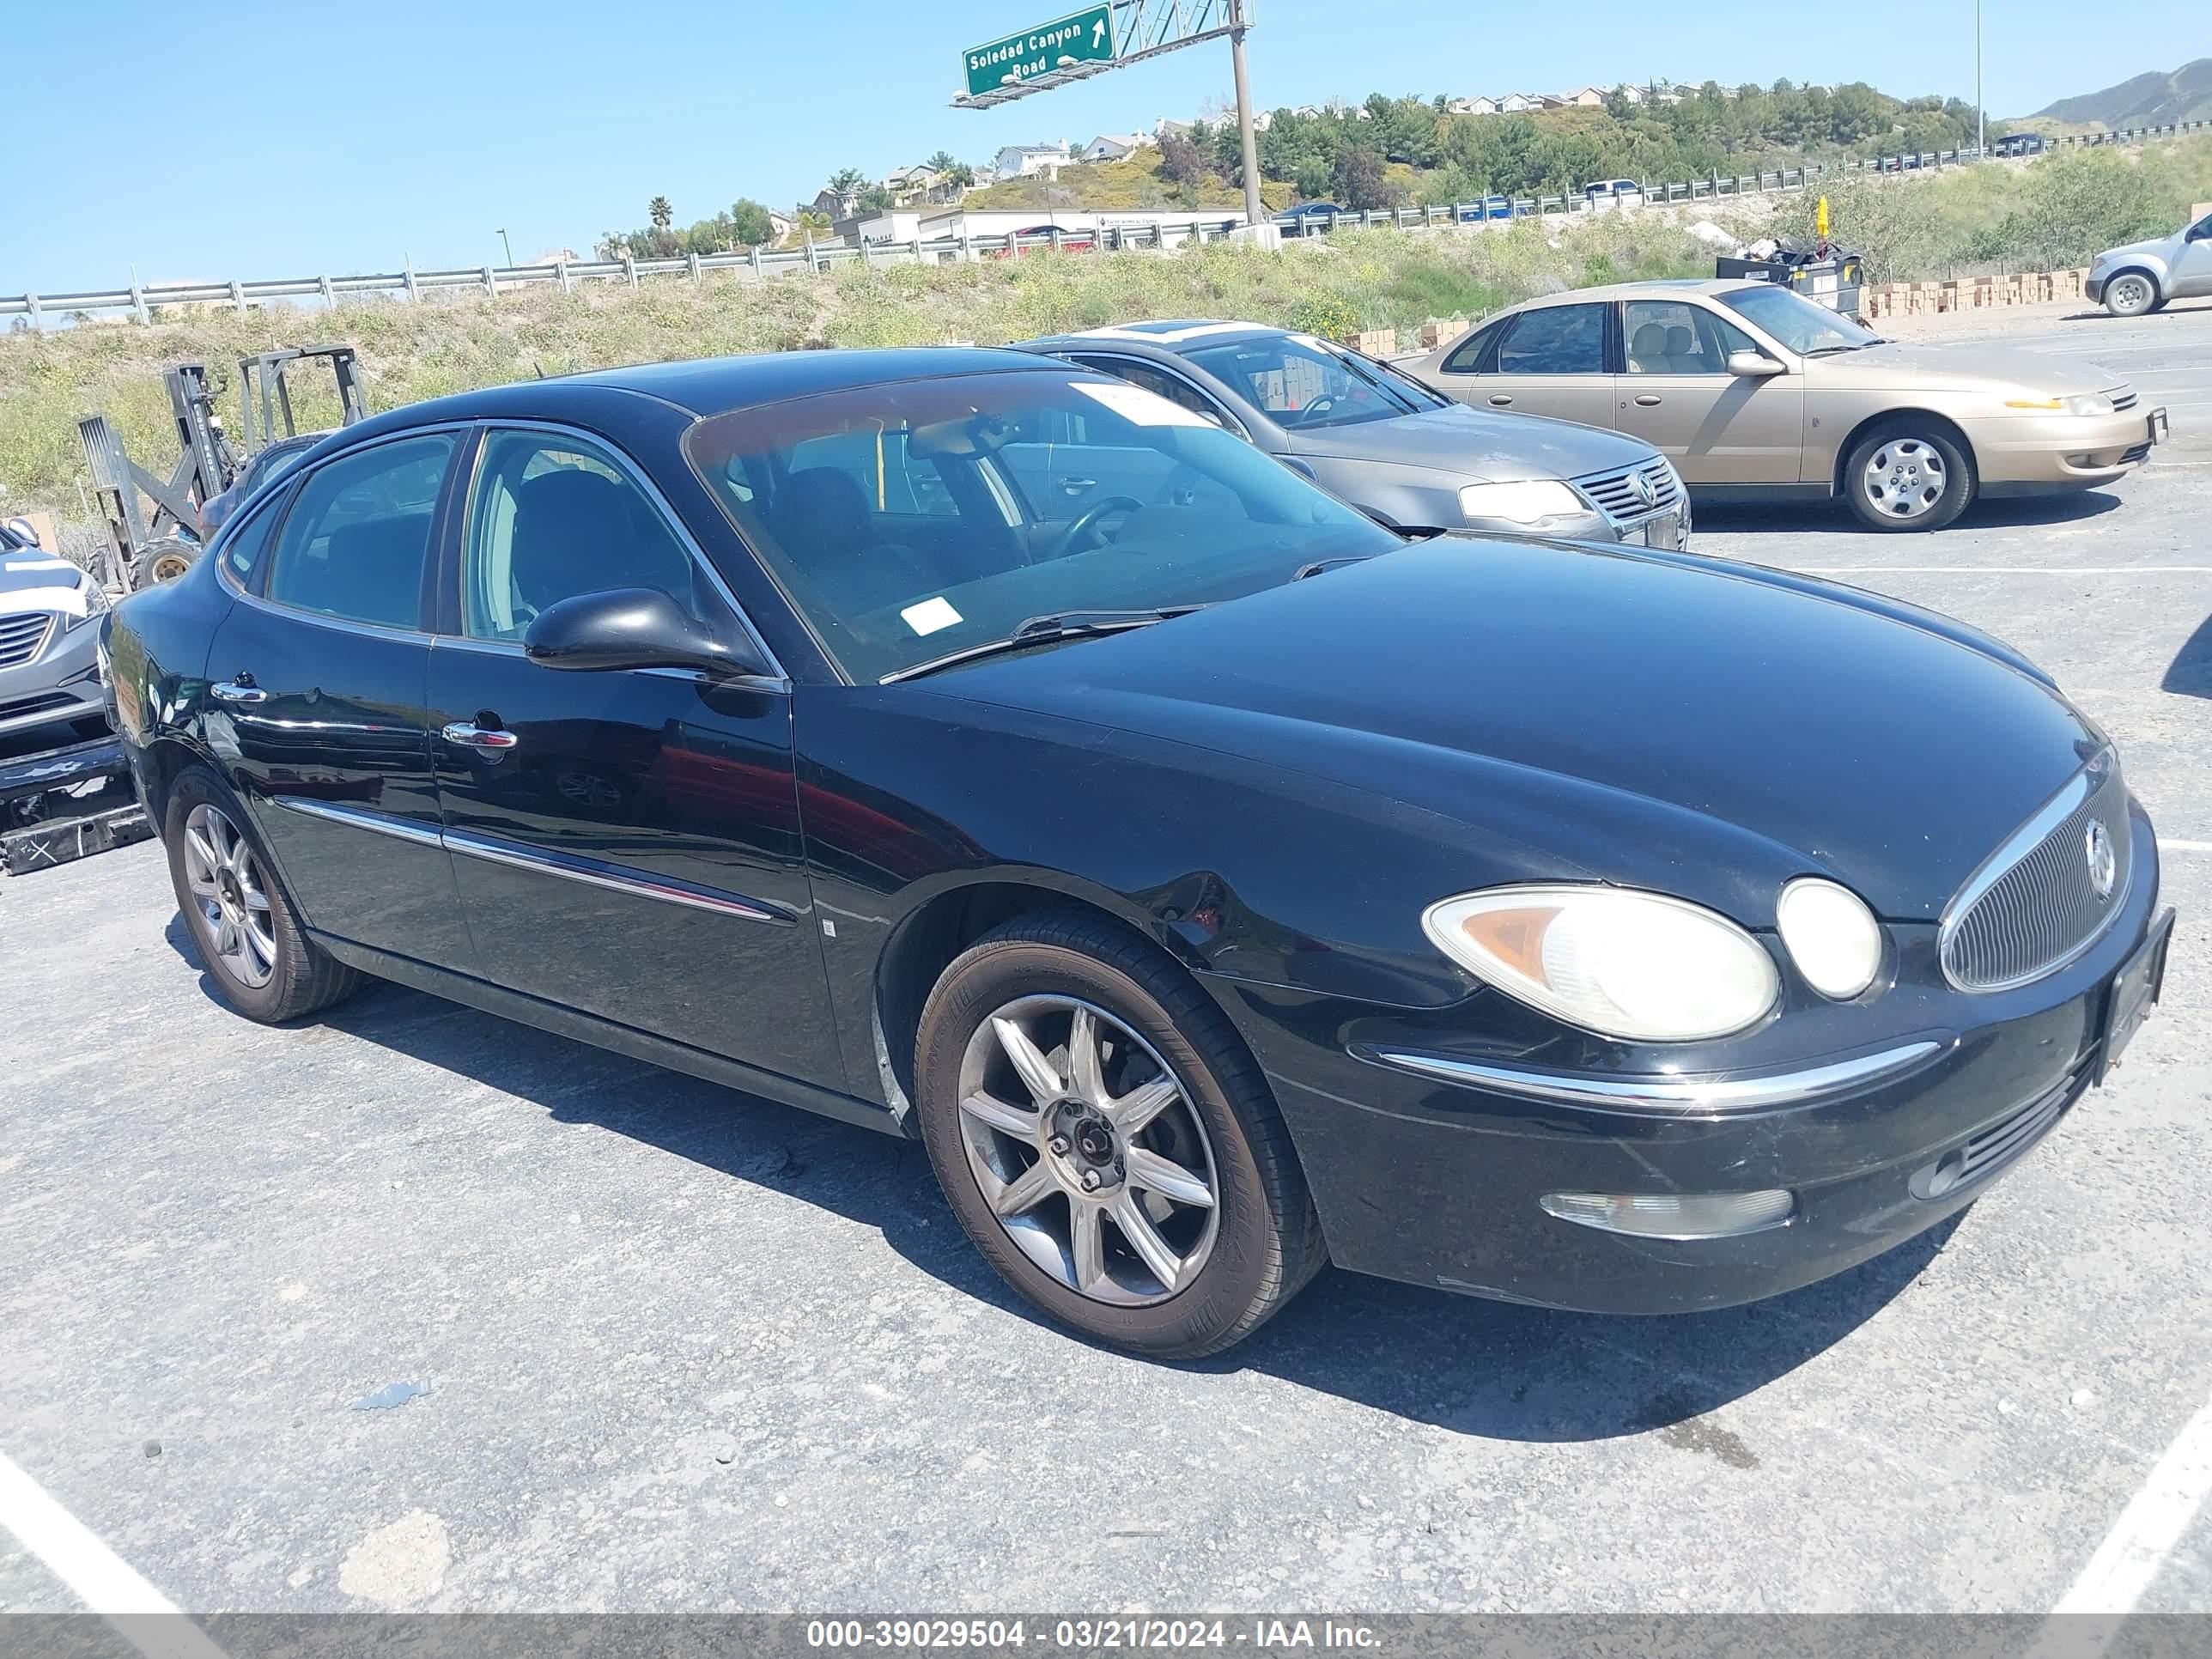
(1472, 107)
(1028, 160)
(1114, 146)
(1513, 103)
(944, 226)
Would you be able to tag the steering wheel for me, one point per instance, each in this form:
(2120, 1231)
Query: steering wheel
(1085, 526)
(1318, 406)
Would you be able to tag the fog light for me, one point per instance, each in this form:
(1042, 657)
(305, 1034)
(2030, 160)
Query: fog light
(1666, 1215)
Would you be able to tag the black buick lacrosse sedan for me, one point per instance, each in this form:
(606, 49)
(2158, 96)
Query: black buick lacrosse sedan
(1216, 882)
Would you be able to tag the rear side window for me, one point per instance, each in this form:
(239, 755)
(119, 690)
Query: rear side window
(251, 540)
(1468, 354)
(353, 544)
(1556, 340)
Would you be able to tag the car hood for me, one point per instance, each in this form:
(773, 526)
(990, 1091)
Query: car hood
(1481, 446)
(2150, 245)
(31, 580)
(1709, 729)
(1893, 365)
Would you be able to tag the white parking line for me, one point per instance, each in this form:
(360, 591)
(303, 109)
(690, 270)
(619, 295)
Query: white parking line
(2144, 1536)
(2166, 846)
(102, 1579)
(2009, 569)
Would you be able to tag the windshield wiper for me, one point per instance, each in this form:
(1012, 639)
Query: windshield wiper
(1849, 345)
(1039, 631)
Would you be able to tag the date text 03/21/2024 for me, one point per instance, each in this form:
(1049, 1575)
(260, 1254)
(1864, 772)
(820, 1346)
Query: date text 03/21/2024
(1263, 1635)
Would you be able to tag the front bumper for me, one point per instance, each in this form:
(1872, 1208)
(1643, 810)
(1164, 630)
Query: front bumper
(2093, 289)
(61, 683)
(2026, 454)
(1438, 1181)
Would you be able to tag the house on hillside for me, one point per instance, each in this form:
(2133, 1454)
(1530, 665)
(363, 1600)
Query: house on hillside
(1031, 160)
(1307, 112)
(1583, 98)
(1165, 128)
(907, 183)
(1114, 147)
(1517, 103)
(1472, 107)
(835, 204)
(1629, 92)
(782, 224)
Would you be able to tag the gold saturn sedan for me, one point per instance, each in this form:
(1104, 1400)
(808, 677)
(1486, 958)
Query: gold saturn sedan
(1756, 393)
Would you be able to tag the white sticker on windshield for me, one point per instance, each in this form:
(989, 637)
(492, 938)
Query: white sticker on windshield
(1135, 405)
(930, 616)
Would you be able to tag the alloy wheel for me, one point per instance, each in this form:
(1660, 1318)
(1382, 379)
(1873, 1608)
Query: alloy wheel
(1905, 478)
(1085, 1146)
(232, 895)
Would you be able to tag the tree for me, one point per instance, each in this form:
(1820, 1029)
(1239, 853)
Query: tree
(845, 182)
(1180, 163)
(941, 163)
(1360, 180)
(873, 198)
(749, 224)
(660, 213)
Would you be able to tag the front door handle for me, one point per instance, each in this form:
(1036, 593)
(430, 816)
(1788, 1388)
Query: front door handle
(241, 689)
(1076, 486)
(1501, 398)
(469, 736)
(1647, 400)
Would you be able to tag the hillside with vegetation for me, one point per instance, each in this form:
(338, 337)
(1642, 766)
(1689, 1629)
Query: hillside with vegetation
(2053, 212)
(2158, 99)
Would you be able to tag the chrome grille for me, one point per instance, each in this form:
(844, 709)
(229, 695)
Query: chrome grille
(2033, 907)
(21, 637)
(2124, 398)
(1617, 493)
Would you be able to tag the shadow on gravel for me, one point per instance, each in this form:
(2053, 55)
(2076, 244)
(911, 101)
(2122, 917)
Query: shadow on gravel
(1479, 1368)
(1834, 518)
(2189, 673)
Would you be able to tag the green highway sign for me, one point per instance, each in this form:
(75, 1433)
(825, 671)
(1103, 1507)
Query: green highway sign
(1083, 37)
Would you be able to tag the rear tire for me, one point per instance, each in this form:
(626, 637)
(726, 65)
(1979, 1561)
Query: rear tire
(1200, 1226)
(2133, 294)
(163, 561)
(258, 958)
(1908, 474)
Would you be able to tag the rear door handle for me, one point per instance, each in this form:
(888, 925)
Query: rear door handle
(1501, 398)
(1648, 400)
(469, 736)
(1076, 486)
(241, 689)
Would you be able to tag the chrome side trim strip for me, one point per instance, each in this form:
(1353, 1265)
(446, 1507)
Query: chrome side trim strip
(1660, 1094)
(382, 824)
(548, 864)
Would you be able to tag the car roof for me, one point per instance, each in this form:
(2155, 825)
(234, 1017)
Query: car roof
(1641, 290)
(705, 385)
(1167, 335)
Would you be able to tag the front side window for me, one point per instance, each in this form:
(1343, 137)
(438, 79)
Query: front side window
(1556, 340)
(1669, 336)
(1170, 511)
(355, 543)
(1795, 323)
(1302, 382)
(553, 517)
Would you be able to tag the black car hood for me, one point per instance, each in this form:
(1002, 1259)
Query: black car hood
(1704, 728)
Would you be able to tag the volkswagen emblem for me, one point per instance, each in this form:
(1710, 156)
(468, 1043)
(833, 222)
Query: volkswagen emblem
(2103, 868)
(1646, 491)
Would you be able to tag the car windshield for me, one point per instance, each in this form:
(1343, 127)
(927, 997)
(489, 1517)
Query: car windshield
(913, 522)
(1795, 322)
(1304, 382)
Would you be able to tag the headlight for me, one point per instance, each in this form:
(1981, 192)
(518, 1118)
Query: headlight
(95, 602)
(1622, 963)
(1831, 937)
(2085, 403)
(1534, 501)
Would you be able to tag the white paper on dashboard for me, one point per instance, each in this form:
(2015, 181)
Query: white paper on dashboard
(930, 614)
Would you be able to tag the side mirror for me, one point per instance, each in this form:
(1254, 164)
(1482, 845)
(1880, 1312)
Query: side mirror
(23, 530)
(1752, 366)
(634, 628)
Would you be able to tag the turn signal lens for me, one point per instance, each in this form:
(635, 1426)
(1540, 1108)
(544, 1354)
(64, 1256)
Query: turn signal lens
(1830, 935)
(2035, 402)
(1626, 964)
(1674, 1215)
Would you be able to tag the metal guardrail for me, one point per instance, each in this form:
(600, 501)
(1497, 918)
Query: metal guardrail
(140, 298)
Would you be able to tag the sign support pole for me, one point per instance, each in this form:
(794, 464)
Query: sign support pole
(1253, 211)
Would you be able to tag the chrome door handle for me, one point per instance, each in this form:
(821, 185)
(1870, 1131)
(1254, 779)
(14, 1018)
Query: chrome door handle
(1076, 486)
(237, 691)
(1502, 398)
(1648, 400)
(477, 737)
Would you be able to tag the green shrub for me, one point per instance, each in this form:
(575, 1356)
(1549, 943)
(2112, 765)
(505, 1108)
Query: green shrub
(1329, 315)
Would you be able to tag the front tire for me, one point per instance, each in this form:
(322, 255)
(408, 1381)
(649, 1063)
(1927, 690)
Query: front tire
(1908, 474)
(259, 959)
(2133, 294)
(1108, 1142)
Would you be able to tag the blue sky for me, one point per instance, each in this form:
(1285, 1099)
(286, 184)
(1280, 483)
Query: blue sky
(558, 119)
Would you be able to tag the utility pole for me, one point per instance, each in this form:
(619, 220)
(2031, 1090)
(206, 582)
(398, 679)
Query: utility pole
(1253, 211)
(1981, 120)
(504, 243)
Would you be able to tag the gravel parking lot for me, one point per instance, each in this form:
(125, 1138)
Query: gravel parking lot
(664, 1347)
